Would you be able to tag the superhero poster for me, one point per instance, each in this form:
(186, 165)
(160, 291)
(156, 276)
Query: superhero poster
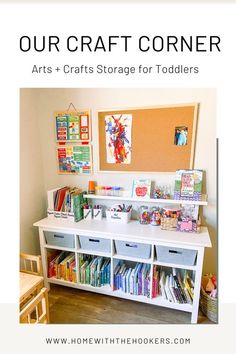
(118, 138)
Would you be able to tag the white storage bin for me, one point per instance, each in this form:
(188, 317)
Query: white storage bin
(91, 243)
(60, 215)
(176, 255)
(88, 214)
(97, 214)
(133, 249)
(118, 216)
(59, 239)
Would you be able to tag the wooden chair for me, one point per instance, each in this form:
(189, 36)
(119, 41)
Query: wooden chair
(30, 264)
(36, 311)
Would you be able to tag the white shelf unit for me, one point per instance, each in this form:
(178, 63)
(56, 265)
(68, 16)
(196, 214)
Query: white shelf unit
(203, 200)
(131, 232)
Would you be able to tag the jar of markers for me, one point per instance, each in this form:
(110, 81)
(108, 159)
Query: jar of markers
(144, 215)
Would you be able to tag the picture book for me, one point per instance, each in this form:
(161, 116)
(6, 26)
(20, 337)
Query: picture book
(188, 185)
(141, 188)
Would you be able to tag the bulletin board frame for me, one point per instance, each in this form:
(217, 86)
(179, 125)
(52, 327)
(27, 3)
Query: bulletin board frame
(153, 145)
(62, 154)
(66, 136)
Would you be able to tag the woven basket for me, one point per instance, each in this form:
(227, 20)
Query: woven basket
(209, 306)
(169, 224)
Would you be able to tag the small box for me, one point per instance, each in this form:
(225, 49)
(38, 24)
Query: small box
(59, 239)
(188, 226)
(71, 216)
(97, 214)
(118, 216)
(91, 243)
(133, 249)
(176, 255)
(169, 224)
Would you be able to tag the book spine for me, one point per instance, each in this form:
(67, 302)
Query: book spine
(180, 291)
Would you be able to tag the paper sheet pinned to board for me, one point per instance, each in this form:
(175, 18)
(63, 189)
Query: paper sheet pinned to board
(118, 138)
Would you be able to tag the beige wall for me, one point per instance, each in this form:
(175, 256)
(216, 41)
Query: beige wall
(43, 102)
(32, 204)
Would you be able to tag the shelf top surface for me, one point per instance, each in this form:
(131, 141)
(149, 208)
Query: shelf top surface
(203, 201)
(131, 231)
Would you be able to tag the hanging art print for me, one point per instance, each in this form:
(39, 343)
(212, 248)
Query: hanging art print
(118, 138)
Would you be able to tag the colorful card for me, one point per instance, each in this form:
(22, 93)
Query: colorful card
(74, 159)
(188, 185)
(141, 188)
(72, 126)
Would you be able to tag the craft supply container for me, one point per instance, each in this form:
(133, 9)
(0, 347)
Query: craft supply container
(144, 215)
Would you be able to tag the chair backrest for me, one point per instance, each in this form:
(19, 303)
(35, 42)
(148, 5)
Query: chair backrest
(36, 311)
(30, 264)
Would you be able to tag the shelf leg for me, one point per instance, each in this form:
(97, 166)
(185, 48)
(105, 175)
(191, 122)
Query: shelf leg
(197, 285)
(44, 258)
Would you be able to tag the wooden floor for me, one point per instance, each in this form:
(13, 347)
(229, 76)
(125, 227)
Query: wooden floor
(68, 305)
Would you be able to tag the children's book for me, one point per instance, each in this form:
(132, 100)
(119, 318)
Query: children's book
(137, 269)
(57, 262)
(128, 280)
(82, 272)
(100, 260)
(188, 185)
(63, 266)
(162, 285)
(171, 287)
(132, 281)
(149, 277)
(144, 273)
(140, 279)
(141, 188)
(69, 266)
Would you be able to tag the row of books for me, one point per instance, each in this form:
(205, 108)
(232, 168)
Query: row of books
(65, 199)
(95, 271)
(171, 286)
(134, 281)
(62, 265)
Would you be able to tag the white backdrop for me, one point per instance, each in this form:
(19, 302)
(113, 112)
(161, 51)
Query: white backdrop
(217, 70)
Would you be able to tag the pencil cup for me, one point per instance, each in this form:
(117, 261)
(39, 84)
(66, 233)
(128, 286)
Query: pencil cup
(88, 214)
(97, 214)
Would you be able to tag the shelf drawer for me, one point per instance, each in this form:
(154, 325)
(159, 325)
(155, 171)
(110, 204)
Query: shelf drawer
(59, 239)
(91, 243)
(133, 249)
(176, 255)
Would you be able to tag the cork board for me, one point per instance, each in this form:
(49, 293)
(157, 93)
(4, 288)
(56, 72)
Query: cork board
(154, 139)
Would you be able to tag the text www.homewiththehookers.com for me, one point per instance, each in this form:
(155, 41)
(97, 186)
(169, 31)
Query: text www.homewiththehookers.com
(117, 341)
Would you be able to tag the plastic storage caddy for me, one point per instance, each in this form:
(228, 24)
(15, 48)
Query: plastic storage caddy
(133, 249)
(176, 255)
(59, 239)
(91, 243)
